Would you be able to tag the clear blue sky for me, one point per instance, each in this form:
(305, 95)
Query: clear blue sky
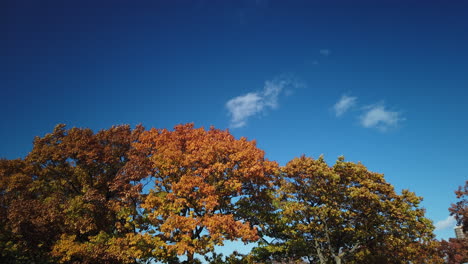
(381, 82)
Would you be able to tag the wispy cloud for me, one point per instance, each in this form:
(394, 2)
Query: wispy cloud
(242, 107)
(372, 116)
(447, 223)
(325, 52)
(344, 104)
(377, 116)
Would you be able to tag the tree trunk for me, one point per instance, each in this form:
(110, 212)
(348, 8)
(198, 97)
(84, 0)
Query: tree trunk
(319, 253)
(337, 260)
(189, 257)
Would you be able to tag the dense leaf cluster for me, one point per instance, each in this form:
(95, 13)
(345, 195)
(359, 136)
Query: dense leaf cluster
(126, 195)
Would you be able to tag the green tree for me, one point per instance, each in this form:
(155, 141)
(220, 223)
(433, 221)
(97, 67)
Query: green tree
(346, 213)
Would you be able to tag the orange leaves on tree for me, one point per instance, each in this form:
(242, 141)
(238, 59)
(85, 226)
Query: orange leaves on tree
(198, 175)
(78, 197)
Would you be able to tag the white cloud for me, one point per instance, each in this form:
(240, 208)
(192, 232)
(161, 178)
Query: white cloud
(325, 52)
(447, 223)
(271, 91)
(242, 107)
(344, 104)
(378, 117)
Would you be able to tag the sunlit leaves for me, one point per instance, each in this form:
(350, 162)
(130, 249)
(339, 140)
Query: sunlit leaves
(345, 213)
(199, 178)
(126, 195)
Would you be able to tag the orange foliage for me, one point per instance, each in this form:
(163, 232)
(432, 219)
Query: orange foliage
(78, 197)
(199, 178)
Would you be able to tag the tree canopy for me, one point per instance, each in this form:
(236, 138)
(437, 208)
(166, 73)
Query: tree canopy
(68, 201)
(200, 181)
(345, 213)
(125, 195)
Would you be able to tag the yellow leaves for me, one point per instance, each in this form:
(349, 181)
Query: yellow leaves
(233, 185)
(344, 205)
(78, 215)
(104, 248)
(66, 248)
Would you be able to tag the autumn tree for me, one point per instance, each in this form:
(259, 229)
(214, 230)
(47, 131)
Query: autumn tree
(203, 180)
(22, 238)
(69, 201)
(346, 213)
(460, 208)
(456, 249)
(79, 197)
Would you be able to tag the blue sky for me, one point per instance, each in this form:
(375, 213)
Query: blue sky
(381, 82)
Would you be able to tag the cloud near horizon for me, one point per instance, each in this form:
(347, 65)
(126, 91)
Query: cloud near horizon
(376, 116)
(344, 104)
(242, 107)
(447, 223)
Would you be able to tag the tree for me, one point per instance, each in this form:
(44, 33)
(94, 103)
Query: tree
(456, 250)
(69, 201)
(346, 213)
(80, 197)
(460, 208)
(202, 180)
(23, 236)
